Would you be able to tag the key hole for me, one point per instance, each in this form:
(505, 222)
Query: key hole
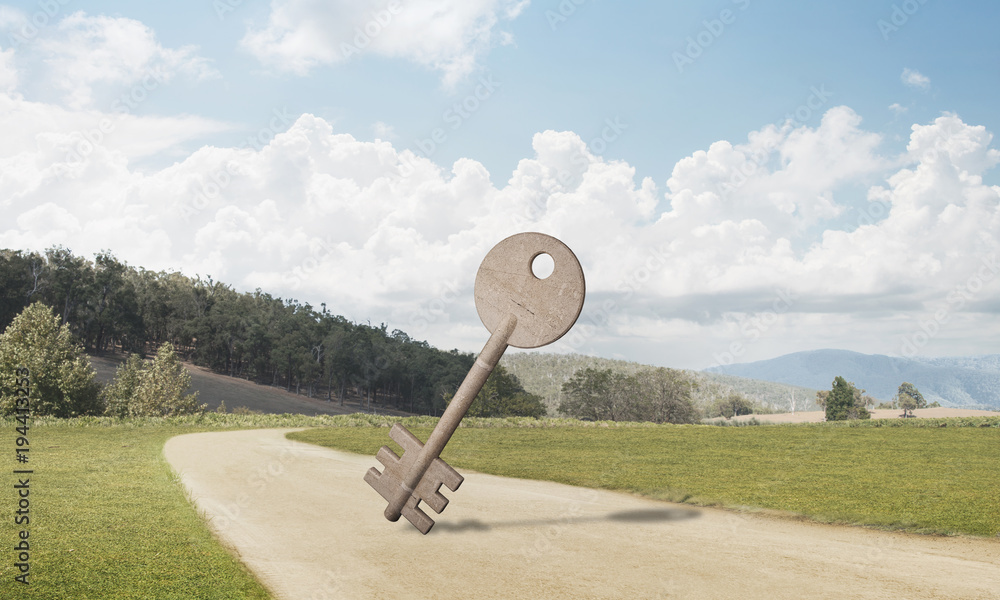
(542, 266)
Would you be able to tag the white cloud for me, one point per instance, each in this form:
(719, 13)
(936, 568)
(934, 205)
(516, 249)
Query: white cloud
(93, 58)
(915, 79)
(8, 73)
(674, 275)
(384, 131)
(448, 36)
(61, 135)
(897, 108)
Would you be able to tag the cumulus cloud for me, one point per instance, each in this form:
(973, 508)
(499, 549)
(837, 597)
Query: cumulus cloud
(446, 36)
(92, 58)
(63, 136)
(8, 72)
(748, 241)
(915, 79)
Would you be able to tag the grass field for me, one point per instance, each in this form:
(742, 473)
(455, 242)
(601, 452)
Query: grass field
(921, 479)
(109, 520)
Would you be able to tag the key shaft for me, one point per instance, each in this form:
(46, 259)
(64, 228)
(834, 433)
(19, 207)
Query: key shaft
(459, 405)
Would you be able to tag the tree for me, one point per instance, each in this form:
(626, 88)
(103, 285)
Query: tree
(909, 398)
(20, 279)
(659, 395)
(118, 395)
(62, 379)
(154, 389)
(839, 401)
(664, 396)
(588, 395)
(503, 396)
(113, 308)
(908, 404)
(731, 405)
(844, 401)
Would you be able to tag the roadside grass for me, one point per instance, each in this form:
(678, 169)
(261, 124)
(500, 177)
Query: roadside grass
(935, 479)
(110, 520)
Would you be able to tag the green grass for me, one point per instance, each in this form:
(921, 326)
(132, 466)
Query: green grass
(108, 518)
(917, 478)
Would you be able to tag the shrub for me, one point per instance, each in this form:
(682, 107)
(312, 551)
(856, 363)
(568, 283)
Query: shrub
(62, 379)
(156, 389)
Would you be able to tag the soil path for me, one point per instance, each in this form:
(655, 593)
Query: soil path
(303, 519)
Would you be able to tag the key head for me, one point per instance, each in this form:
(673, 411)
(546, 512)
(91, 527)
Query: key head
(545, 308)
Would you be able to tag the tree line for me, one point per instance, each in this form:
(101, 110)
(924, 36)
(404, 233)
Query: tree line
(656, 394)
(110, 306)
(41, 359)
(846, 401)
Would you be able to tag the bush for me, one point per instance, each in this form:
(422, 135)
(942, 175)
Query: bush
(156, 389)
(62, 379)
(119, 393)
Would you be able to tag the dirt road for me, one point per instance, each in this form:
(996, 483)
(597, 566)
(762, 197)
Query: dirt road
(305, 521)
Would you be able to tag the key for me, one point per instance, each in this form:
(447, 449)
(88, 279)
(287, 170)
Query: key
(520, 310)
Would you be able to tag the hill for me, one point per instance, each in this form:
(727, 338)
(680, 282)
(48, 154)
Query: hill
(214, 389)
(544, 373)
(959, 382)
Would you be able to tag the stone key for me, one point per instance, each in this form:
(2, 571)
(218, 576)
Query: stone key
(521, 310)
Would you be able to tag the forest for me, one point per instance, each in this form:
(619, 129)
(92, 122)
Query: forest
(111, 306)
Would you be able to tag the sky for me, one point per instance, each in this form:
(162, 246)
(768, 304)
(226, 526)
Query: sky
(739, 179)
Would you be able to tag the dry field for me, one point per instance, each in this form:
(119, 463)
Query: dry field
(818, 416)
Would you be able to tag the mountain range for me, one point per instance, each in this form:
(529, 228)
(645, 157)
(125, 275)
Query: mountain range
(960, 381)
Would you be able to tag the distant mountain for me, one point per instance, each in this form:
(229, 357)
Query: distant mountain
(544, 373)
(962, 381)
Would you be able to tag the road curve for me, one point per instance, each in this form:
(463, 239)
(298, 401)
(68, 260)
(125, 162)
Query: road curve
(303, 519)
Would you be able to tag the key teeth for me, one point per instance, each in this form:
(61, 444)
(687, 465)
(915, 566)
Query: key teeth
(429, 489)
(417, 517)
(402, 436)
(388, 482)
(386, 456)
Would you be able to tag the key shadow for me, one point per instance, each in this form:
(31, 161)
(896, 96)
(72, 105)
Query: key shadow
(645, 515)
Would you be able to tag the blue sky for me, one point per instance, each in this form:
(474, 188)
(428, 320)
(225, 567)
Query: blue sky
(608, 60)
(646, 109)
